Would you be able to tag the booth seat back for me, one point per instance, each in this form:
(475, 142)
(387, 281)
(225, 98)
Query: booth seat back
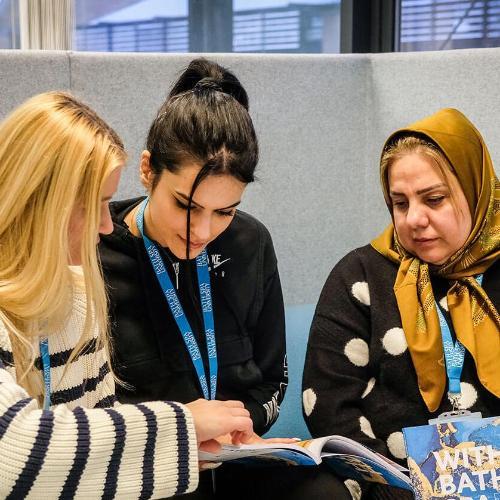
(290, 422)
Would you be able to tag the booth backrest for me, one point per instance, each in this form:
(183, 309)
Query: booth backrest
(321, 121)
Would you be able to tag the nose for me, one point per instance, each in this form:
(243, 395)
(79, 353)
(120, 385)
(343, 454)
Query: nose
(201, 228)
(106, 224)
(417, 216)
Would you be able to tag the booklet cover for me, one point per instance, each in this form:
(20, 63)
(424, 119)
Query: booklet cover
(347, 457)
(458, 460)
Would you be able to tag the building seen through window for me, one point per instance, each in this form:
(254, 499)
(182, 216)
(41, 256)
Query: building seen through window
(446, 24)
(269, 26)
(9, 24)
(303, 26)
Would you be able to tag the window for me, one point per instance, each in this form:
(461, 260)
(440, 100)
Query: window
(231, 26)
(445, 24)
(9, 22)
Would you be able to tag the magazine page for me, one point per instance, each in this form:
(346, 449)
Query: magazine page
(292, 454)
(347, 457)
(341, 444)
(365, 469)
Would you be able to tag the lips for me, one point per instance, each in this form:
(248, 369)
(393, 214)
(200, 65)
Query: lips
(193, 244)
(424, 241)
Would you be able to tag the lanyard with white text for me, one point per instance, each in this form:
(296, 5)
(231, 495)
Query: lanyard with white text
(454, 354)
(178, 313)
(44, 353)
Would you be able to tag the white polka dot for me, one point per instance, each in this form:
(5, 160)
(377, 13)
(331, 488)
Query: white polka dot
(356, 351)
(366, 427)
(396, 445)
(354, 489)
(361, 291)
(394, 341)
(309, 401)
(444, 303)
(468, 396)
(369, 387)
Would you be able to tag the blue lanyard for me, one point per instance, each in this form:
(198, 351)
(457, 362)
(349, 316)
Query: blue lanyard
(178, 313)
(44, 352)
(454, 354)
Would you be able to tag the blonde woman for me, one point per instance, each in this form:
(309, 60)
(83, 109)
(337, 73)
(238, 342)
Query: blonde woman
(59, 167)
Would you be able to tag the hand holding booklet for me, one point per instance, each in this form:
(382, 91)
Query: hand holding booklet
(347, 457)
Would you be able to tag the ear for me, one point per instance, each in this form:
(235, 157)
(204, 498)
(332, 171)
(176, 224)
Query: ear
(146, 174)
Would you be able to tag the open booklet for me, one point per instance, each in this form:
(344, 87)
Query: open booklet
(347, 457)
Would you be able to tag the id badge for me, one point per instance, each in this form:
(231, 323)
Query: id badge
(455, 457)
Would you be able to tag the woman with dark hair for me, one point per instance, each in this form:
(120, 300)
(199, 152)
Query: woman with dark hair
(375, 360)
(196, 301)
(201, 153)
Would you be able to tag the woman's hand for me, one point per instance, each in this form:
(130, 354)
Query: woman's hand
(255, 439)
(214, 419)
(261, 440)
(235, 438)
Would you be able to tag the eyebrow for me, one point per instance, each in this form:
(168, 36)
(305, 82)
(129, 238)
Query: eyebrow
(106, 198)
(186, 198)
(421, 191)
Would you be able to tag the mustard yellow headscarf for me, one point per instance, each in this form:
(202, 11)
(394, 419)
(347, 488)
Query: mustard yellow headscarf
(475, 318)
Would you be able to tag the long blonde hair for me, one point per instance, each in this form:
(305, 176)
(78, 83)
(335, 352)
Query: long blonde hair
(55, 153)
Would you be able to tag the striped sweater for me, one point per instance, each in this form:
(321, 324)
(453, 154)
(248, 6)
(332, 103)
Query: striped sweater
(81, 448)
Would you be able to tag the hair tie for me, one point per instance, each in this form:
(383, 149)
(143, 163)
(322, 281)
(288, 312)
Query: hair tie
(207, 83)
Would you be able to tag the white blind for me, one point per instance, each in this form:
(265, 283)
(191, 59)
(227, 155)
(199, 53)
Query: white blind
(446, 24)
(46, 24)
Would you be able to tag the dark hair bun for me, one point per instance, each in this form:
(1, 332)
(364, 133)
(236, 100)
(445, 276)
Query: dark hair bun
(203, 75)
(207, 83)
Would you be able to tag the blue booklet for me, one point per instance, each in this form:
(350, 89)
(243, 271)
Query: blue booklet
(346, 457)
(457, 460)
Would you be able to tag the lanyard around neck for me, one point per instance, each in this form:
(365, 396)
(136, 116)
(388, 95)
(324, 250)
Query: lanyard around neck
(44, 353)
(178, 312)
(454, 354)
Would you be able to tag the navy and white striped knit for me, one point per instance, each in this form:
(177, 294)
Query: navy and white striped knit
(79, 449)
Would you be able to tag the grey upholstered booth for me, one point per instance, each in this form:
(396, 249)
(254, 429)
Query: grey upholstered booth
(321, 121)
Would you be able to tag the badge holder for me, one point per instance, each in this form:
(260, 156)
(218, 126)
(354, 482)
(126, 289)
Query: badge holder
(456, 414)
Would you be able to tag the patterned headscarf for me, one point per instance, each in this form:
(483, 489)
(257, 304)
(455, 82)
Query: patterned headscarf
(475, 318)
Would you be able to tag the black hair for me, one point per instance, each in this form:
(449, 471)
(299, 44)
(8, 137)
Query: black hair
(204, 120)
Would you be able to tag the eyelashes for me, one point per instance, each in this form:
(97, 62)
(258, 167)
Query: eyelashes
(223, 213)
(436, 200)
(181, 205)
(433, 202)
(399, 204)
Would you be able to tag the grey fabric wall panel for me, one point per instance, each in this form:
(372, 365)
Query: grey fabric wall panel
(23, 74)
(409, 86)
(126, 89)
(310, 117)
(321, 122)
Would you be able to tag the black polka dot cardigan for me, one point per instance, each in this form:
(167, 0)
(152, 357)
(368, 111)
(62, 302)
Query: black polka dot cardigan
(359, 379)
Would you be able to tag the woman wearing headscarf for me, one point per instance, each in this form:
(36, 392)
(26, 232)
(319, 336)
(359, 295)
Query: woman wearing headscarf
(375, 360)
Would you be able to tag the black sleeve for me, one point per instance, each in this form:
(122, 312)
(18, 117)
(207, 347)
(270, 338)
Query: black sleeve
(336, 372)
(269, 345)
